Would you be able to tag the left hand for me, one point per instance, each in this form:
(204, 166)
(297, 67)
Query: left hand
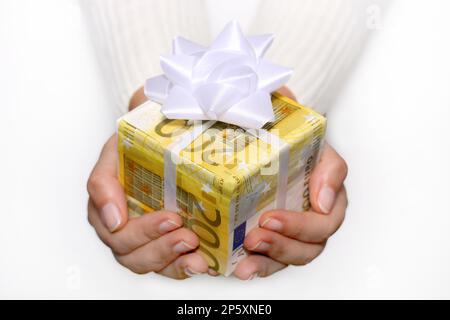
(286, 237)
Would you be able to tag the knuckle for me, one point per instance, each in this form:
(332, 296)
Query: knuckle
(108, 242)
(297, 233)
(111, 142)
(89, 218)
(337, 225)
(117, 247)
(298, 228)
(95, 183)
(303, 261)
(329, 230)
(137, 98)
(160, 261)
(342, 166)
(277, 251)
(160, 256)
(306, 259)
(148, 226)
(346, 200)
(137, 268)
(322, 236)
(90, 213)
(179, 275)
(310, 258)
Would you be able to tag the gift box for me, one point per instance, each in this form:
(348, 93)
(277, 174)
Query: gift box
(216, 145)
(219, 177)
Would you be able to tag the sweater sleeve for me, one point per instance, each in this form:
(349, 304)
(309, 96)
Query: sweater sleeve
(130, 35)
(320, 39)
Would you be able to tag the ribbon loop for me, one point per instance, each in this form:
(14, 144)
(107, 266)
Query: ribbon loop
(228, 81)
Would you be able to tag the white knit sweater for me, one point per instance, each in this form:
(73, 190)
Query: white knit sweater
(320, 39)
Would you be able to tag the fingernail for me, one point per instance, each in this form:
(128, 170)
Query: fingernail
(190, 273)
(326, 199)
(168, 225)
(261, 246)
(213, 272)
(111, 217)
(252, 276)
(272, 224)
(182, 246)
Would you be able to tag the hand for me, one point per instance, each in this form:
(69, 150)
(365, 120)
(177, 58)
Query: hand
(154, 242)
(286, 237)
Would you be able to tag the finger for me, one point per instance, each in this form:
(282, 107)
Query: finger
(256, 265)
(306, 226)
(281, 248)
(327, 179)
(137, 232)
(105, 189)
(213, 273)
(157, 254)
(137, 99)
(185, 266)
(285, 91)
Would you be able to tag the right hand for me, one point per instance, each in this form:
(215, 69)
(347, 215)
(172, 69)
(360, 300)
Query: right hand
(154, 242)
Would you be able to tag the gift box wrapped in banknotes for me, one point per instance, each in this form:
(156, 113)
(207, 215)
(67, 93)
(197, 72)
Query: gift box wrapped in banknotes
(217, 144)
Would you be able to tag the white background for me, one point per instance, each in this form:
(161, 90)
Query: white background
(391, 123)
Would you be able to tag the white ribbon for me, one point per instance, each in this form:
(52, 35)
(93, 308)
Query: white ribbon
(282, 149)
(229, 81)
(172, 158)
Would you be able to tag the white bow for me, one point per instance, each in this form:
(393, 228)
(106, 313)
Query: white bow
(228, 82)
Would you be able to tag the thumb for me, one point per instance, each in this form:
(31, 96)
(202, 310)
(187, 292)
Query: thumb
(105, 190)
(285, 91)
(327, 180)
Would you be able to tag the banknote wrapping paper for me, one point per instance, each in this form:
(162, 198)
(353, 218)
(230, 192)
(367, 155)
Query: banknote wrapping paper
(215, 144)
(228, 175)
